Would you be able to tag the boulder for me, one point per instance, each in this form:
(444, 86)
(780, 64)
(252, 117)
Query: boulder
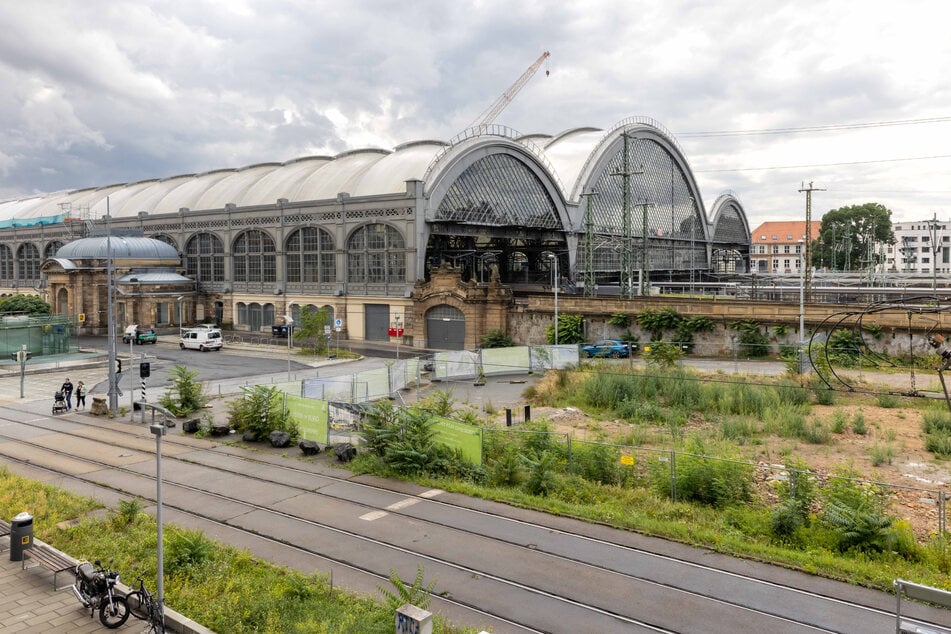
(309, 447)
(191, 426)
(248, 436)
(279, 438)
(345, 452)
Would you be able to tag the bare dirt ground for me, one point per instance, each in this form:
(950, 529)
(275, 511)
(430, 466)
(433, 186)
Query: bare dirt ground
(912, 472)
(911, 468)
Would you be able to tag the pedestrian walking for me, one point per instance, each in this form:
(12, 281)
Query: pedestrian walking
(80, 395)
(67, 391)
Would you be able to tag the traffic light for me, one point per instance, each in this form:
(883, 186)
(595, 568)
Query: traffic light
(118, 366)
(144, 370)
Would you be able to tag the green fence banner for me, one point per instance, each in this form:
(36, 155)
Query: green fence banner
(310, 416)
(456, 435)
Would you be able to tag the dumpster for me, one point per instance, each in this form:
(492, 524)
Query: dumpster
(21, 535)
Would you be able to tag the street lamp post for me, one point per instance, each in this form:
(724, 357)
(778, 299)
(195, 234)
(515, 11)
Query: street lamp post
(181, 317)
(554, 259)
(290, 331)
(159, 431)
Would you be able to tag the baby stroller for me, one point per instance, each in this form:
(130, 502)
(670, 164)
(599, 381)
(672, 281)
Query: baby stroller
(59, 403)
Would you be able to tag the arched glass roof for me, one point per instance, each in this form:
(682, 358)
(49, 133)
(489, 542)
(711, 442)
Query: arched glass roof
(570, 158)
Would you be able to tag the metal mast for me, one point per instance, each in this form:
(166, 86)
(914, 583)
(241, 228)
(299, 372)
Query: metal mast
(589, 277)
(627, 233)
(807, 259)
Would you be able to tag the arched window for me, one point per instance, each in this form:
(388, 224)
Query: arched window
(6, 262)
(254, 257)
(169, 240)
(375, 254)
(310, 256)
(242, 313)
(205, 258)
(51, 249)
(29, 258)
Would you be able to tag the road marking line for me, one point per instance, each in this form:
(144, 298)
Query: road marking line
(402, 504)
(431, 493)
(374, 515)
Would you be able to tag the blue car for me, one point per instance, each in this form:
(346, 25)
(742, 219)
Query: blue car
(606, 348)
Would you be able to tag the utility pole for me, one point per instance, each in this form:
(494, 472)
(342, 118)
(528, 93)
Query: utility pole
(590, 281)
(807, 281)
(627, 236)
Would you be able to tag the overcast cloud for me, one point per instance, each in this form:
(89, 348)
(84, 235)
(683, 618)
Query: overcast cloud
(98, 92)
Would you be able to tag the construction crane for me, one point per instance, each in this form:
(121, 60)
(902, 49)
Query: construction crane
(496, 108)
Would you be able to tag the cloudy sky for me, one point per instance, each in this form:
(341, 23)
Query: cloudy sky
(764, 96)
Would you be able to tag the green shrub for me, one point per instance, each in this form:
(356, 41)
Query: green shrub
(570, 329)
(855, 512)
(712, 481)
(753, 343)
(662, 354)
(496, 339)
(541, 474)
(786, 518)
(858, 424)
(881, 454)
(187, 548)
(886, 400)
(824, 394)
(839, 422)
(260, 411)
(621, 320)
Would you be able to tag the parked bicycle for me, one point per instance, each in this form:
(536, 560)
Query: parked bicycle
(144, 606)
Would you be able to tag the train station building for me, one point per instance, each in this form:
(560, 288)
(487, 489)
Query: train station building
(437, 238)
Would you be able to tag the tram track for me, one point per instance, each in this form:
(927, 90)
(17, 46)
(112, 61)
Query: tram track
(558, 549)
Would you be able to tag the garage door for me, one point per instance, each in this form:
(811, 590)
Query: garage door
(445, 328)
(377, 320)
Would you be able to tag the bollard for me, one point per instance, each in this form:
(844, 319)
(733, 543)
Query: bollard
(528, 413)
(508, 416)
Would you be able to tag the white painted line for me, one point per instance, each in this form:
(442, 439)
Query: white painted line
(374, 515)
(402, 504)
(431, 493)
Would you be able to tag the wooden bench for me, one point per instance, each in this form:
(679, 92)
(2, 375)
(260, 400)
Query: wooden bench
(919, 592)
(5, 532)
(51, 559)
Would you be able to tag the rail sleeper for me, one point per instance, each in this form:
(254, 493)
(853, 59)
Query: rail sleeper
(935, 596)
(50, 558)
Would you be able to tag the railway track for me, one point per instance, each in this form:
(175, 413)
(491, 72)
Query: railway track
(515, 570)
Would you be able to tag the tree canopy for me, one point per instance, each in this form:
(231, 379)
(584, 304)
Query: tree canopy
(847, 235)
(29, 304)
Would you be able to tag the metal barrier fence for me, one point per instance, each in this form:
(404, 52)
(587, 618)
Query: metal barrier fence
(642, 467)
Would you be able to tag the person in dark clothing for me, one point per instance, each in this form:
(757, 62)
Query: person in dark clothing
(80, 395)
(67, 391)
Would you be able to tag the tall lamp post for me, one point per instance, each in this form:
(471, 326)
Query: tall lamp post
(554, 284)
(159, 431)
(290, 331)
(181, 317)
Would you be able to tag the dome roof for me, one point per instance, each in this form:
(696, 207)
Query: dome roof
(125, 247)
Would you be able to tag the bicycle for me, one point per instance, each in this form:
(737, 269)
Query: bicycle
(144, 606)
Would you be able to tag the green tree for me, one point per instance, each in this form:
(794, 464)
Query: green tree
(846, 234)
(310, 328)
(29, 304)
(186, 394)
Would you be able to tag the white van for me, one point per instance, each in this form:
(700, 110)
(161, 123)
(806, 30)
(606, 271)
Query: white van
(201, 339)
